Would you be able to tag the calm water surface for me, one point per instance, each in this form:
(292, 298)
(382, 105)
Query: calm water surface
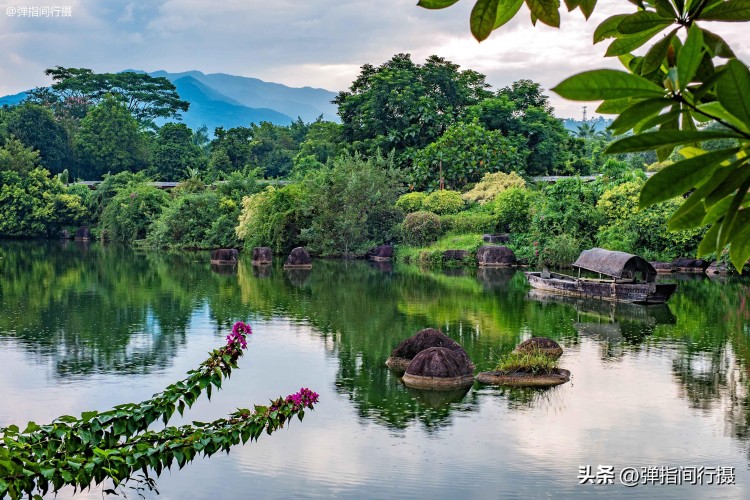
(87, 327)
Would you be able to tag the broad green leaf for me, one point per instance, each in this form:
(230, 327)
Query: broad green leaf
(606, 84)
(571, 4)
(670, 124)
(682, 218)
(629, 43)
(664, 8)
(638, 112)
(733, 90)
(587, 7)
(616, 106)
(730, 184)
(708, 243)
(717, 46)
(671, 116)
(691, 217)
(506, 10)
(644, 20)
(739, 249)
(705, 70)
(547, 11)
(608, 27)
(680, 4)
(651, 140)
(436, 4)
(690, 56)
(678, 178)
(733, 10)
(715, 111)
(483, 17)
(728, 226)
(657, 53)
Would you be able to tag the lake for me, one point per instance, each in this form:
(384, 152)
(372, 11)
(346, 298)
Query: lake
(663, 390)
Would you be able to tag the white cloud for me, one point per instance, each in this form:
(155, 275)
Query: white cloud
(320, 43)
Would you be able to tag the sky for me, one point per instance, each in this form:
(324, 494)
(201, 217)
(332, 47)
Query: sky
(317, 43)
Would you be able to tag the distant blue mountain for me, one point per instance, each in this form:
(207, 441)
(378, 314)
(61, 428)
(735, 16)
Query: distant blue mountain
(213, 109)
(12, 100)
(221, 100)
(307, 103)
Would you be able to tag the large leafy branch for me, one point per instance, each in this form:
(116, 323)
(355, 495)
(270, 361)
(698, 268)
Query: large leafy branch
(686, 88)
(115, 444)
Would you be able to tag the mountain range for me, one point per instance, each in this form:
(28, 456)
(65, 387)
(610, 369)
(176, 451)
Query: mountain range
(222, 100)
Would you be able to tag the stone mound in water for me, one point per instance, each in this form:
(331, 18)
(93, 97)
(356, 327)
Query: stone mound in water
(262, 256)
(540, 344)
(423, 339)
(298, 259)
(439, 368)
(495, 256)
(224, 256)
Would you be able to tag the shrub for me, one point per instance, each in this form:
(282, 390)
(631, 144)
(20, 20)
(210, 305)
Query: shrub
(512, 209)
(443, 202)
(561, 251)
(411, 202)
(492, 185)
(187, 221)
(469, 222)
(272, 218)
(131, 211)
(352, 204)
(420, 228)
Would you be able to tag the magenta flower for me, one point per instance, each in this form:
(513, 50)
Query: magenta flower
(239, 334)
(304, 398)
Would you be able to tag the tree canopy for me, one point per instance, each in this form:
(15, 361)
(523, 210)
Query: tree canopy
(400, 104)
(145, 97)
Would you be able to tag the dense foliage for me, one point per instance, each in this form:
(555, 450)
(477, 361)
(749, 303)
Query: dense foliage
(686, 88)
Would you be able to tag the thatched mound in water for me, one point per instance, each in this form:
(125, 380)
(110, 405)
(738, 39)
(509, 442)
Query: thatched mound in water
(540, 344)
(439, 368)
(423, 339)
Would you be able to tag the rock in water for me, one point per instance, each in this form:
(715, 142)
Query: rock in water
(298, 259)
(262, 256)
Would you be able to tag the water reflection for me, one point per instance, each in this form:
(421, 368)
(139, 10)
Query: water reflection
(93, 309)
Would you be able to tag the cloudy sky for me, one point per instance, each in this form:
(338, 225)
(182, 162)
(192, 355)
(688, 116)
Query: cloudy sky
(318, 43)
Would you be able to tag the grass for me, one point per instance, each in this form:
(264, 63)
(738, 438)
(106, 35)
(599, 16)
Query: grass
(531, 362)
(432, 255)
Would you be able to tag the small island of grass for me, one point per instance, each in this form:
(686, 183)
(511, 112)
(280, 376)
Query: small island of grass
(530, 369)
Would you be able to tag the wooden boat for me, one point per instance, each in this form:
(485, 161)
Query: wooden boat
(623, 277)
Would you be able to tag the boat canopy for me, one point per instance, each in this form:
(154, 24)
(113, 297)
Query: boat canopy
(615, 264)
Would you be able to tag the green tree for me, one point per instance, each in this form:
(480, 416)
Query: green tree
(231, 150)
(401, 104)
(352, 205)
(35, 126)
(465, 153)
(145, 97)
(174, 153)
(108, 142)
(128, 215)
(686, 88)
(522, 110)
(33, 204)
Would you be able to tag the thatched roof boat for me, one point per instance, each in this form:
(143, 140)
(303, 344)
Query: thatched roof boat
(623, 277)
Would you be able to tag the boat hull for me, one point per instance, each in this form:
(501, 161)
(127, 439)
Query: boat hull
(639, 293)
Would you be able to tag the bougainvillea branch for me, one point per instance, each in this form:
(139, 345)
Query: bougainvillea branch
(117, 443)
